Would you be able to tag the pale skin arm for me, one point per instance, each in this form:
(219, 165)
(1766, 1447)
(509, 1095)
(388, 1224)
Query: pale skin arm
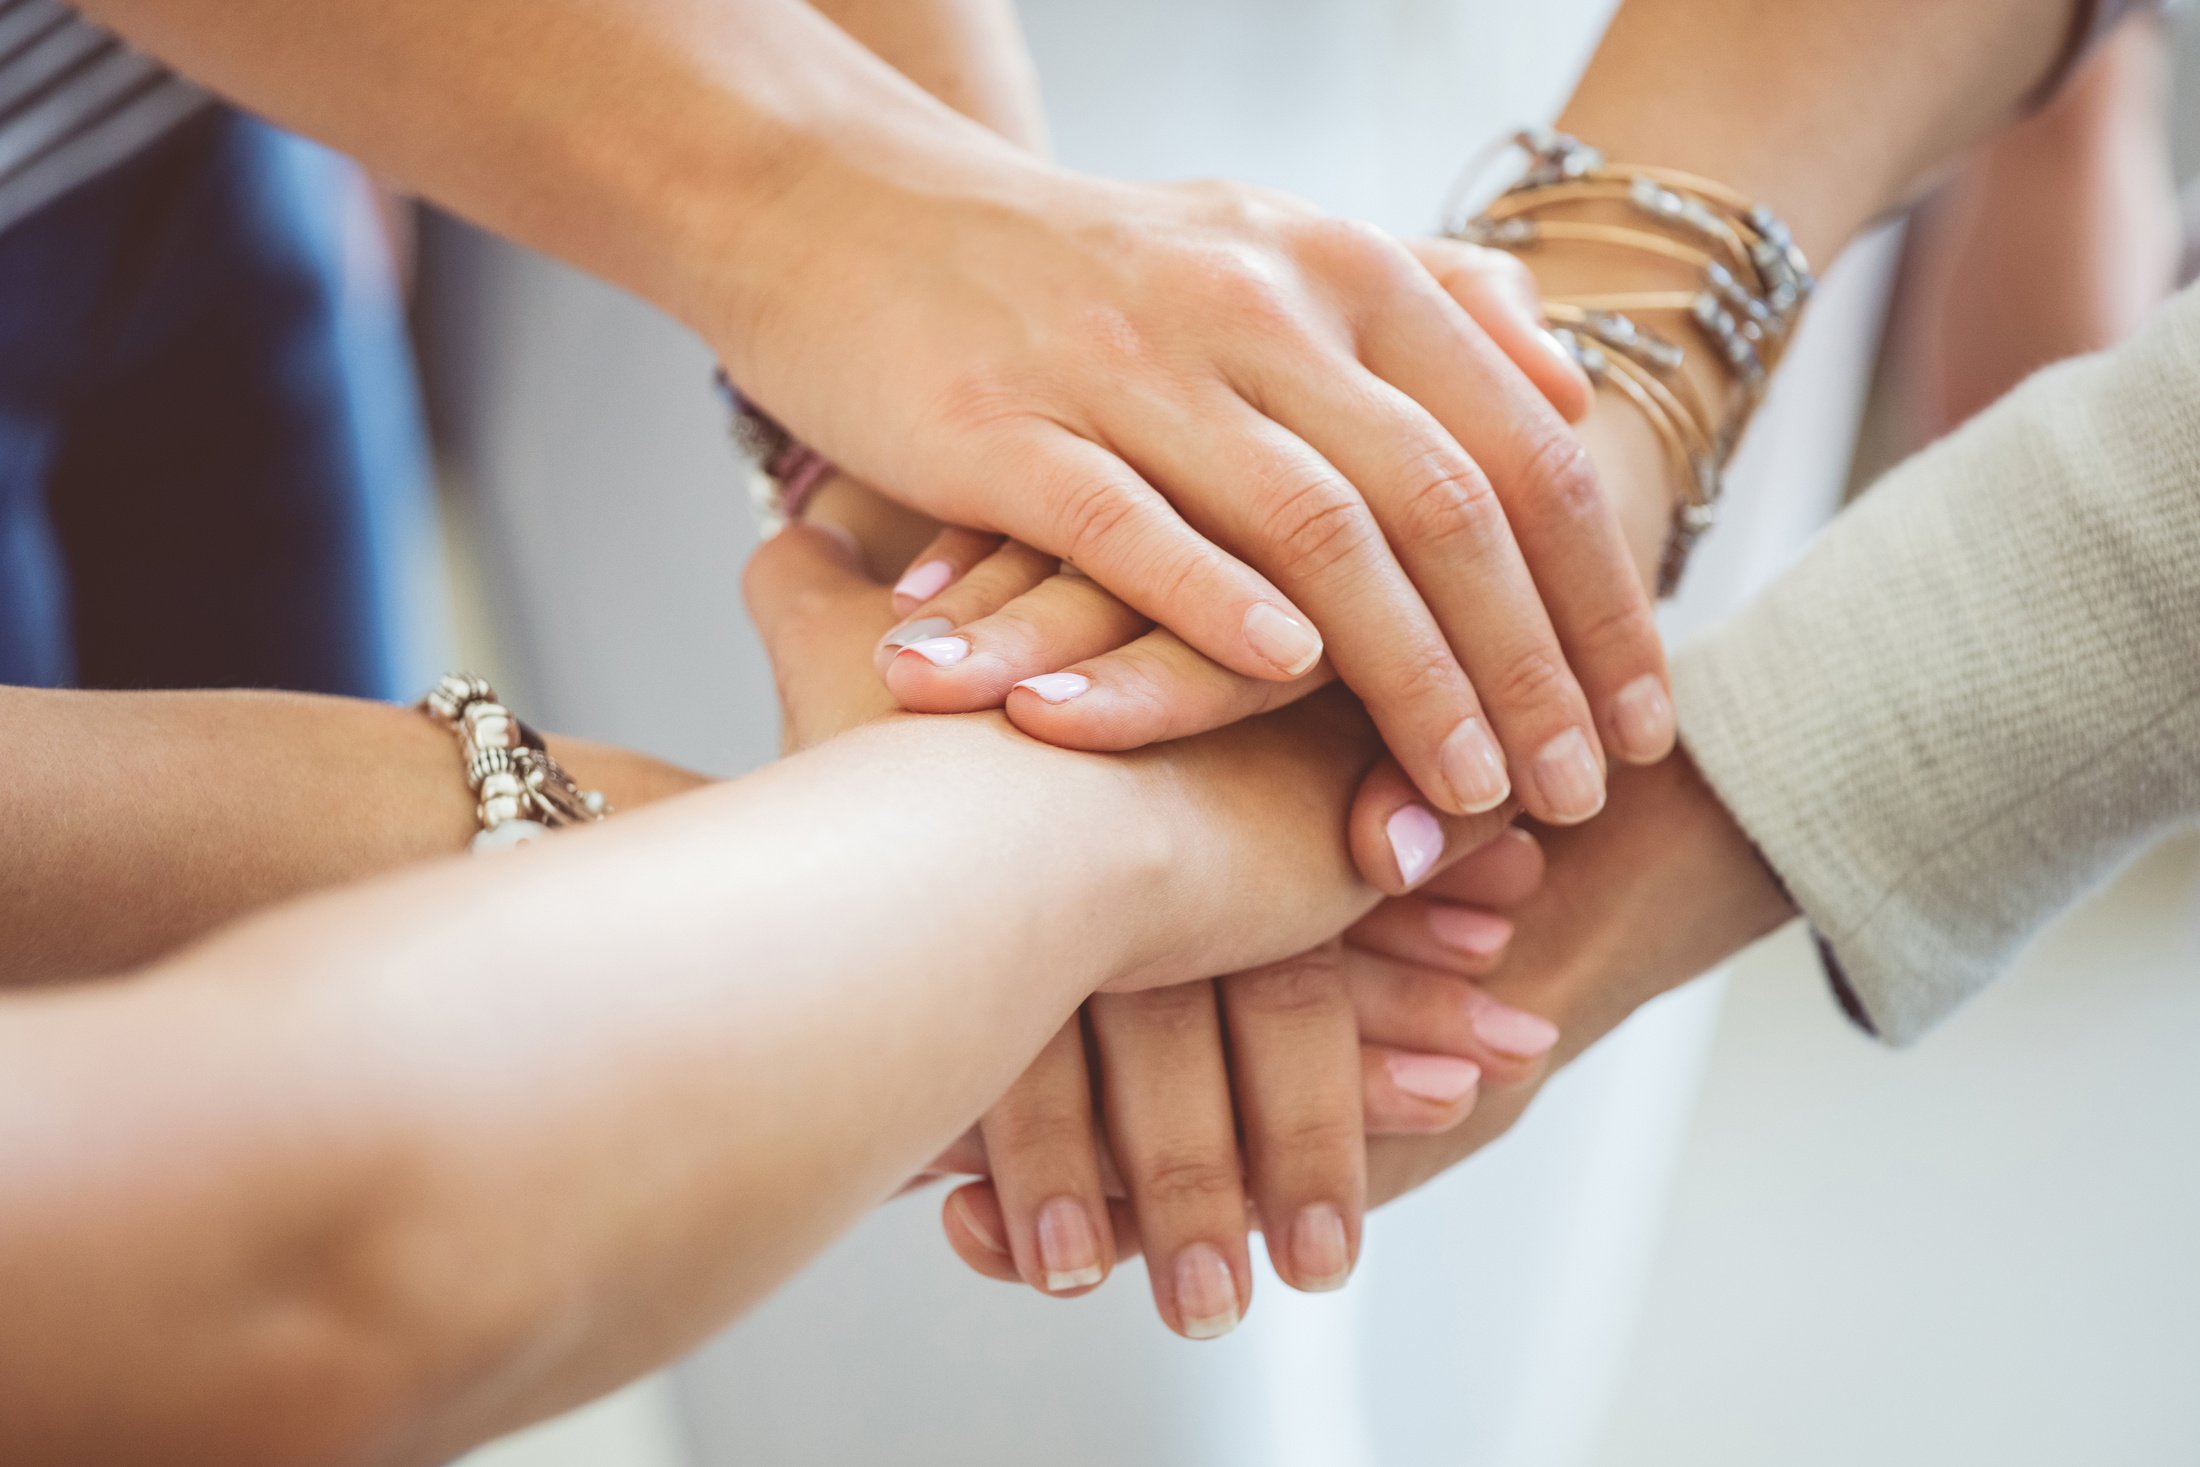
(412, 1164)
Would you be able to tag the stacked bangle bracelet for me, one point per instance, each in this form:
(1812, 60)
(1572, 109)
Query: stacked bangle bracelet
(1746, 285)
(520, 792)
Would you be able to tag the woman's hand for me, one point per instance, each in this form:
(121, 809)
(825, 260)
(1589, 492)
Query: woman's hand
(1270, 432)
(1247, 1099)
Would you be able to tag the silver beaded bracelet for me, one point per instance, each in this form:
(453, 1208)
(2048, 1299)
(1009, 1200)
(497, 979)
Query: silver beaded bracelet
(520, 792)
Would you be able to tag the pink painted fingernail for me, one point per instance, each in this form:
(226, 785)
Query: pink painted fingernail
(921, 629)
(1069, 1249)
(1470, 929)
(1642, 717)
(1057, 687)
(940, 651)
(1416, 840)
(923, 582)
(1474, 768)
(1509, 1030)
(1321, 1253)
(976, 1229)
(1206, 1293)
(1440, 1078)
(1284, 642)
(1567, 774)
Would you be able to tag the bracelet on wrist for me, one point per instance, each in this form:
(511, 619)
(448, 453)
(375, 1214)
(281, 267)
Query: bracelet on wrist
(521, 794)
(1746, 284)
(784, 471)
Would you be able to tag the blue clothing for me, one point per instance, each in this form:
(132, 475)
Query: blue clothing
(212, 461)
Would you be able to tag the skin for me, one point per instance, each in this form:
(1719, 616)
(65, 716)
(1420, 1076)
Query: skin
(301, 1144)
(1799, 77)
(1264, 428)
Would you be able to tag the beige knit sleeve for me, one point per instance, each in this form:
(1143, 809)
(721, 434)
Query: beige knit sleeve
(1978, 693)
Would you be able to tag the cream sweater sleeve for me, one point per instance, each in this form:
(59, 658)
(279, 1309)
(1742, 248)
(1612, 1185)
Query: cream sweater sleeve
(1978, 693)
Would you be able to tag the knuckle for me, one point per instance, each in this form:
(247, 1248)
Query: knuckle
(1089, 514)
(1049, 1131)
(1621, 627)
(1426, 673)
(1563, 480)
(1355, 249)
(1532, 678)
(1328, 1141)
(1182, 1178)
(1316, 525)
(1301, 991)
(1448, 500)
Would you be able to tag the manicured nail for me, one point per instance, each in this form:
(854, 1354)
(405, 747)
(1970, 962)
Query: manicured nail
(976, 1229)
(917, 631)
(1285, 642)
(1555, 347)
(1469, 929)
(1642, 716)
(1057, 687)
(1321, 1255)
(940, 651)
(1436, 1077)
(1416, 840)
(1567, 774)
(923, 582)
(1206, 1293)
(1069, 1250)
(1509, 1030)
(1474, 768)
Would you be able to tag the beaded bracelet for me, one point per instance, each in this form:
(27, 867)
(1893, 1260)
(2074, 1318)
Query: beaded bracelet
(521, 794)
(786, 471)
(1750, 285)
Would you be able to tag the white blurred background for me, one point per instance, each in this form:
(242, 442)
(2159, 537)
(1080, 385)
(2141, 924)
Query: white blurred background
(1743, 1235)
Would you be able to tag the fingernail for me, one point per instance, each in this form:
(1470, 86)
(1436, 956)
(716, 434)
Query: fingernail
(1287, 643)
(1474, 768)
(940, 651)
(1206, 1293)
(976, 1229)
(1416, 840)
(1567, 774)
(1642, 716)
(923, 582)
(1441, 1078)
(917, 631)
(1057, 687)
(1554, 346)
(1509, 1030)
(1069, 1250)
(1321, 1255)
(1470, 929)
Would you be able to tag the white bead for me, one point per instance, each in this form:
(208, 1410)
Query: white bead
(497, 811)
(508, 836)
(502, 785)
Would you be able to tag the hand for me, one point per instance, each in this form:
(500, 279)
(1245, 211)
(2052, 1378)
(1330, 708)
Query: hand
(1200, 394)
(1661, 888)
(1384, 1033)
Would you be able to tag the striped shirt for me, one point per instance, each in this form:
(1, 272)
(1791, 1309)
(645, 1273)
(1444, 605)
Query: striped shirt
(74, 102)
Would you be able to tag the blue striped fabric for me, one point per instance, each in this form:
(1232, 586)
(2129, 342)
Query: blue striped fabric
(74, 102)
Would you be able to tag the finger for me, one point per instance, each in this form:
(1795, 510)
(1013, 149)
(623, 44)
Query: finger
(1406, 1006)
(1501, 294)
(803, 584)
(1046, 1170)
(1093, 510)
(1300, 518)
(1449, 529)
(939, 565)
(1409, 1093)
(1567, 530)
(1295, 1063)
(1060, 622)
(1503, 874)
(1008, 572)
(1456, 921)
(1149, 691)
(971, 1218)
(1398, 842)
(1166, 1094)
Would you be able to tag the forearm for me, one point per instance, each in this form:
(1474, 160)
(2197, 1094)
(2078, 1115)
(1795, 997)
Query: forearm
(652, 142)
(968, 53)
(487, 1137)
(135, 822)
